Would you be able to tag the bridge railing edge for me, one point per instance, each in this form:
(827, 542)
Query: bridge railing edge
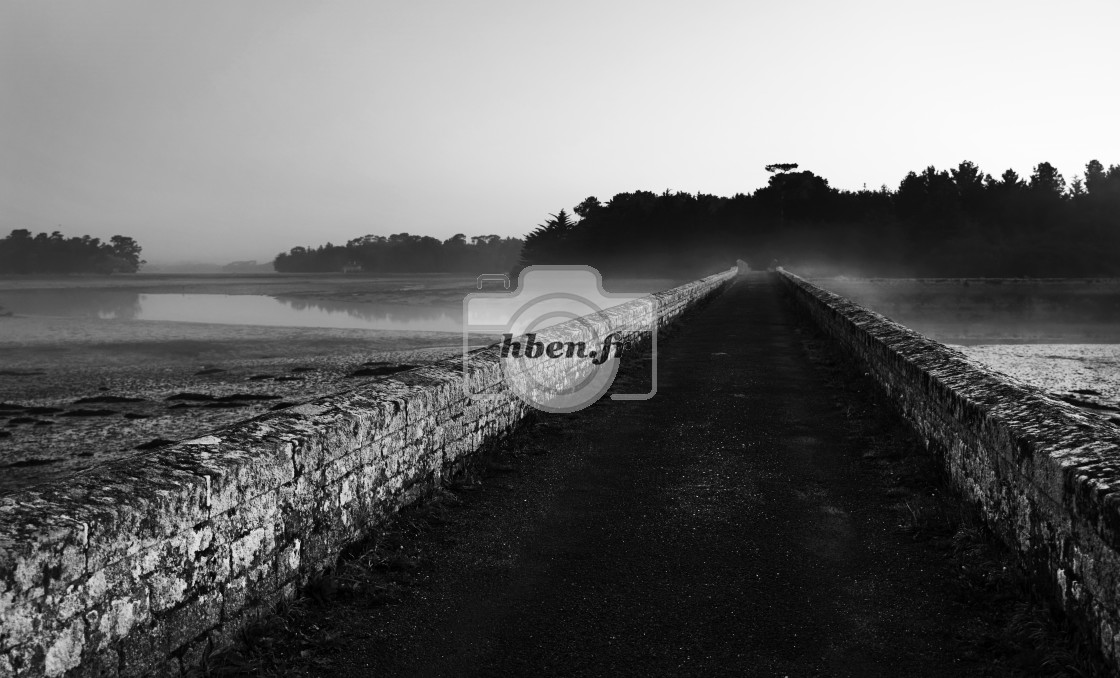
(1044, 474)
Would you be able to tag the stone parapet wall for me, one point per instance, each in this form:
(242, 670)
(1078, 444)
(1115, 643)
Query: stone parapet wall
(144, 565)
(1044, 474)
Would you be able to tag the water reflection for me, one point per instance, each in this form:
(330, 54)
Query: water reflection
(417, 306)
(119, 304)
(444, 316)
(235, 309)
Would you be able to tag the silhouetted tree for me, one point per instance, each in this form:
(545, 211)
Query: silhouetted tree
(127, 253)
(547, 243)
(969, 181)
(405, 253)
(938, 222)
(54, 253)
(1047, 181)
(588, 207)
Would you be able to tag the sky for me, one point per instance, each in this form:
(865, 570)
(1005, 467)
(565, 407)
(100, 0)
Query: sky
(222, 130)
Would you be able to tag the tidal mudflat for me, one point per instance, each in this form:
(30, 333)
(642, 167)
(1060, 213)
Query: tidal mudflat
(1060, 335)
(92, 369)
(1087, 375)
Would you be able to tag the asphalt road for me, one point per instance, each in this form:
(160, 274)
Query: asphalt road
(725, 527)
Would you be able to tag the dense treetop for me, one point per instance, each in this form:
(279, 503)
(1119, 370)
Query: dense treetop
(20, 252)
(402, 252)
(956, 222)
(942, 222)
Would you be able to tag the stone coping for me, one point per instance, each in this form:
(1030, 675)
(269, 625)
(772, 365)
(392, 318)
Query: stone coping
(1044, 474)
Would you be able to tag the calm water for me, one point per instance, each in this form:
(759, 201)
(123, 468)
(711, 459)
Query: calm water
(994, 311)
(431, 310)
(234, 309)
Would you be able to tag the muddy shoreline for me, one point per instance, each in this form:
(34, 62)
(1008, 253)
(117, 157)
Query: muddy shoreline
(67, 409)
(79, 391)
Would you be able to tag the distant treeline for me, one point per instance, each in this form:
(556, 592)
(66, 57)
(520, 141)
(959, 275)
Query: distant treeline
(404, 253)
(957, 222)
(20, 252)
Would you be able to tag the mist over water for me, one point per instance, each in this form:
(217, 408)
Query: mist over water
(415, 306)
(233, 309)
(994, 311)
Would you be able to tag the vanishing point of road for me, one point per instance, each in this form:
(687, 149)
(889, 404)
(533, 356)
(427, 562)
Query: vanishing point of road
(725, 527)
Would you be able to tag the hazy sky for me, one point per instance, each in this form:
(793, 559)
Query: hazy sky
(222, 130)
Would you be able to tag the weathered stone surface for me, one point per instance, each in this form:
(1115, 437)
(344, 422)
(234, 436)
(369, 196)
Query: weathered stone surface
(1045, 474)
(139, 566)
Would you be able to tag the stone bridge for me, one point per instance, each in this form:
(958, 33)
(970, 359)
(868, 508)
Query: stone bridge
(722, 527)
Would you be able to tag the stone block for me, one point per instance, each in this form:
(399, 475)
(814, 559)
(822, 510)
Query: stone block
(193, 620)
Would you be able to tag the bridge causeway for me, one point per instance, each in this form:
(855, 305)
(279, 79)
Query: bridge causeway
(725, 527)
(769, 512)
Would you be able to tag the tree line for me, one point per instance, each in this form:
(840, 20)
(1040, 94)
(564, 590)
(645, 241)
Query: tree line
(947, 222)
(20, 252)
(940, 222)
(404, 253)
